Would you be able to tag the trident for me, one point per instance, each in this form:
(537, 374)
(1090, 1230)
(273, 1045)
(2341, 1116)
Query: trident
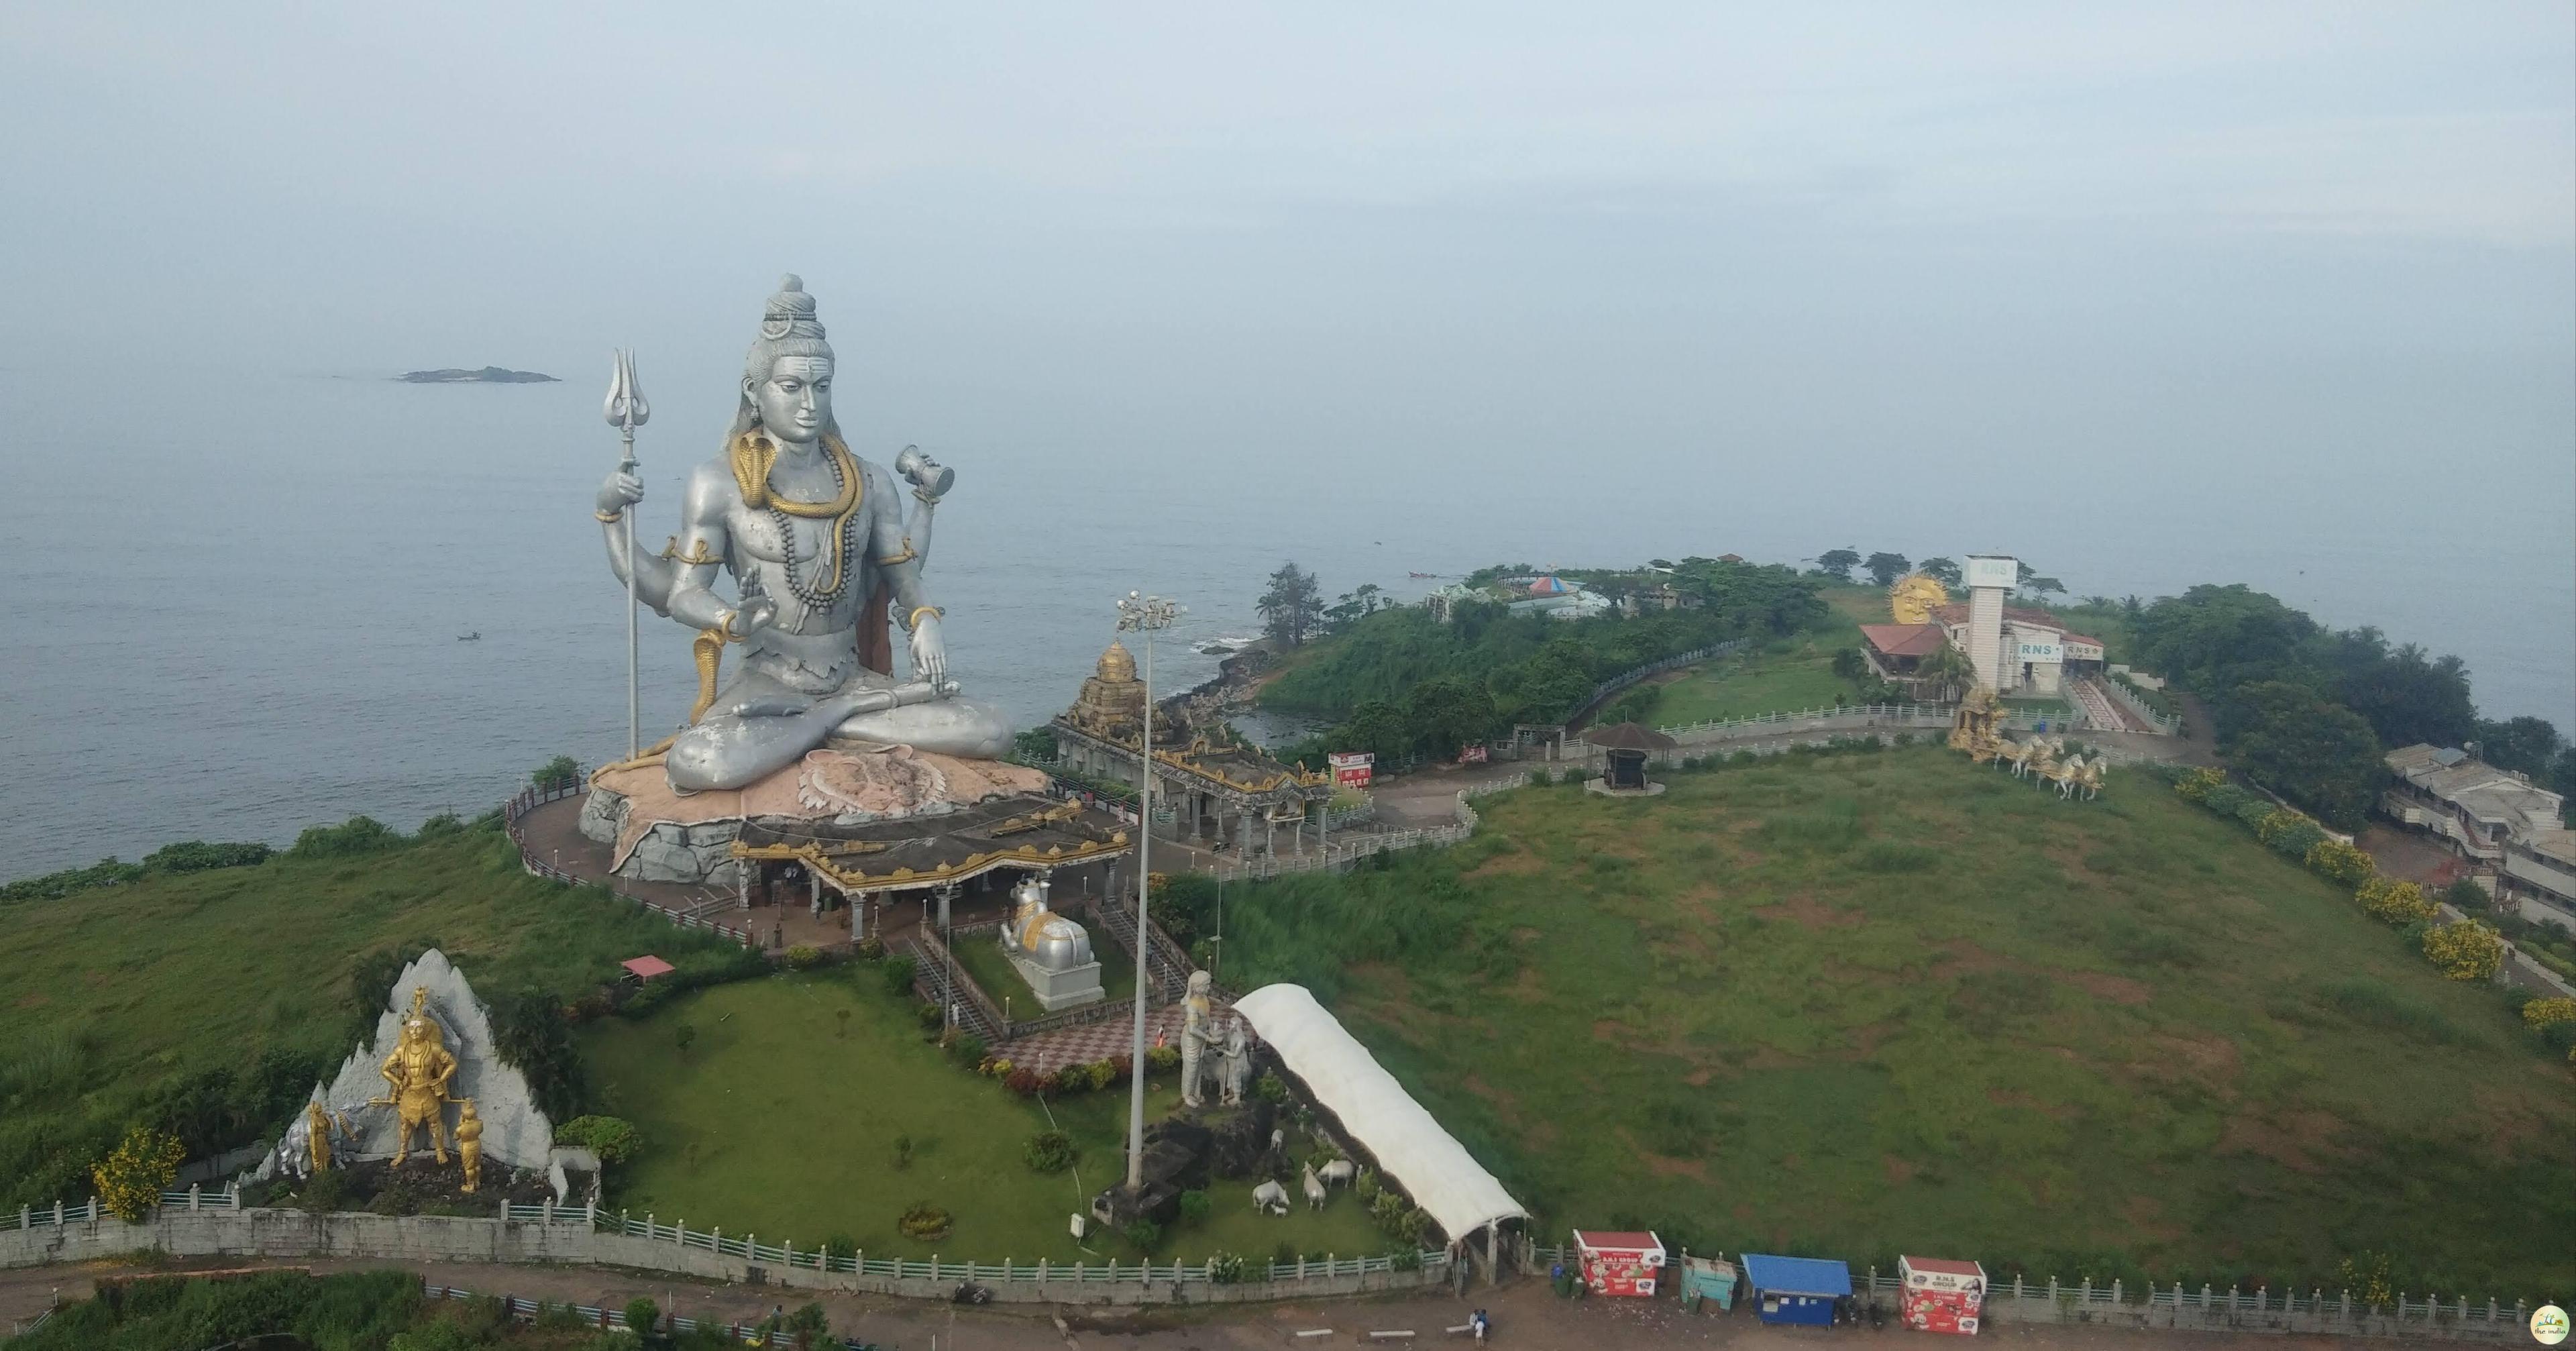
(626, 411)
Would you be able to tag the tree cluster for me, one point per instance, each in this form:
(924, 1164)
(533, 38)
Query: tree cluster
(1402, 684)
(1292, 608)
(2309, 712)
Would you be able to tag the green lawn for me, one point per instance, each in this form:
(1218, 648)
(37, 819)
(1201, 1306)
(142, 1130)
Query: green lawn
(1870, 1003)
(984, 962)
(1782, 676)
(207, 994)
(775, 1122)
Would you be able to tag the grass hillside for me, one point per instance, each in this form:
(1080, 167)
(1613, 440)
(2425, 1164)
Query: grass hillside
(1868, 1003)
(782, 1115)
(211, 1000)
(1782, 675)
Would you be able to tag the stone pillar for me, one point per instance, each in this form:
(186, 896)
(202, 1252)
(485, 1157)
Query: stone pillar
(946, 892)
(1242, 832)
(813, 889)
(859, 916)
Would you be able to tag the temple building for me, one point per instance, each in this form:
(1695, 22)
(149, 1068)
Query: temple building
(1221, 793)
(2029, 652)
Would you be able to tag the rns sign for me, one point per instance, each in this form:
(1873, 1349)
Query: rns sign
(2043, 652)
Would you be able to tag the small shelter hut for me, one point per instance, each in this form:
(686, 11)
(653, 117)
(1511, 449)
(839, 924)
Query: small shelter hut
(1797, 1289)
(1707, 1278)
(1625, 747)
(1622, 1262)
(1940, 1294)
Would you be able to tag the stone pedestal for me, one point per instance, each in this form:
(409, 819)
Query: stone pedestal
(1057, 991)
(655, 835)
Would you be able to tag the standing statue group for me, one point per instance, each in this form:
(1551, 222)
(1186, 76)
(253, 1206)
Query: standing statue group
(416, 1075)
(1206, 1054)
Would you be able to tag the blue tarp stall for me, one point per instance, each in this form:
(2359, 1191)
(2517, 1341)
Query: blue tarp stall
(1796, 1289)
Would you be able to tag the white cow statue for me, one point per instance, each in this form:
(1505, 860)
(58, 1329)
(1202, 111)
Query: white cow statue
(1270, 1197)
(1338, 1173)
(1314, 1189)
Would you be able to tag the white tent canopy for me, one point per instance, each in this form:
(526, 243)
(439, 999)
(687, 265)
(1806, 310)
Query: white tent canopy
(1439, 1173)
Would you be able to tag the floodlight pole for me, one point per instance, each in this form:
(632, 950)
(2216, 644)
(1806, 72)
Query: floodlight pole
(1145, 615)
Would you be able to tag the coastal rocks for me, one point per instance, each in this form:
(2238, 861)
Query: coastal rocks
(489, 375)
(515, 1133)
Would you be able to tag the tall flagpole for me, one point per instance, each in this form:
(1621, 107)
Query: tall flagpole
(1145, 615)
(626, 411)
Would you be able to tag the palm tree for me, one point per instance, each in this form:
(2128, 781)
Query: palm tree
(1948, 670)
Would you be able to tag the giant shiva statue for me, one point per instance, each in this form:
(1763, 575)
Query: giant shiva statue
(821, 555)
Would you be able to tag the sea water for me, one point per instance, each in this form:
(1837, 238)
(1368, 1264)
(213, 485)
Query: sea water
(239, 612)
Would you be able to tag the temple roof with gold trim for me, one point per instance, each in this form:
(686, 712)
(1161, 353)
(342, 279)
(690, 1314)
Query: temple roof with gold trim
(1025, 830)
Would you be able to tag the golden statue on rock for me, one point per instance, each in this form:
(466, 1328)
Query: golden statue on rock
(1976, 727)
(469, 1142)
(418, 1072)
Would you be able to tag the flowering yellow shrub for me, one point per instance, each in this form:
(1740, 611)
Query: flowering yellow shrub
(2196, 785)
(2394, 902)
(2541, 1013)
(132, 1177)
(2273, 826)
(2336, 861)
(2465, 950)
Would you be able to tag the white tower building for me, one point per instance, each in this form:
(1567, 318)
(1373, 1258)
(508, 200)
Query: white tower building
(1989, 578)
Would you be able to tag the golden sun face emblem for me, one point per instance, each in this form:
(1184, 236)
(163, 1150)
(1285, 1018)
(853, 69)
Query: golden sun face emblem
(1914, 597)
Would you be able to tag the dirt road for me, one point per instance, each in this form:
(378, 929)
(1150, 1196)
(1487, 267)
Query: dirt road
(1524, 1315)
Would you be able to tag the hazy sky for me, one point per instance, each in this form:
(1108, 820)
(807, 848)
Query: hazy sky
(2298, 268)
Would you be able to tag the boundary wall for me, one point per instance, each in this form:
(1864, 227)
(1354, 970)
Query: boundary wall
(580, 1235)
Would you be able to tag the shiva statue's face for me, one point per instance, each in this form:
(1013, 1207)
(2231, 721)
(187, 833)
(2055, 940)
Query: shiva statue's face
(795, 402)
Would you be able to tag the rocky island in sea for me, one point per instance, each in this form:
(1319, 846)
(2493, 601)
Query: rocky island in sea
(489, 375)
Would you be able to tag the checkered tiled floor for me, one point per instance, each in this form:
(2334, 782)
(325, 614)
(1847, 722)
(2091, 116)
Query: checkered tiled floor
(1049, 1051)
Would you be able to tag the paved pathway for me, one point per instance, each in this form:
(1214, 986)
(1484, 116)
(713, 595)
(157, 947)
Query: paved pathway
(553, 833)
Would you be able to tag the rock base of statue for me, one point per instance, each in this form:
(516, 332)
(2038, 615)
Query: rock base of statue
(1239, 1142)
(1057, 991)
(1176, 1160)
(424, 1186)
(657, 835)
(516, 1135)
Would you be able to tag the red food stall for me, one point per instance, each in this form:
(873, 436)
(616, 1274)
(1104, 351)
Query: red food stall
(1940, 1295)
(1620, 1263)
